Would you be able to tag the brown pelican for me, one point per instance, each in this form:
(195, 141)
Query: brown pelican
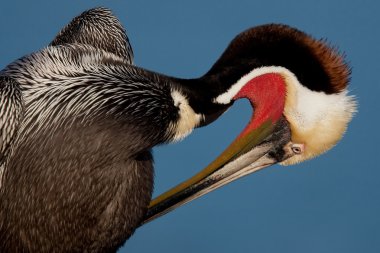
(79, 119)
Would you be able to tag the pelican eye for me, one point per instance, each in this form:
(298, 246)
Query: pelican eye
(297, 148)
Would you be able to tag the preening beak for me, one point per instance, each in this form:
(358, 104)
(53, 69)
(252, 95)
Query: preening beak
(247, 154)
(259, 145)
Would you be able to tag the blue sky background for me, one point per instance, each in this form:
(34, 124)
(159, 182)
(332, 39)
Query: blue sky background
(329, 204)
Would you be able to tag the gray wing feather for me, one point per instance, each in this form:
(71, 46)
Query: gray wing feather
(11, 113)
(99, 28)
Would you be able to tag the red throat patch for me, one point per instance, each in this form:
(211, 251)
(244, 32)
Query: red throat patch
(266, 93)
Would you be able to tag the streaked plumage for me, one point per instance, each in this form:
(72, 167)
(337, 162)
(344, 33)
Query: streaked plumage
(80, 176)
(91, 119)
(11, 113)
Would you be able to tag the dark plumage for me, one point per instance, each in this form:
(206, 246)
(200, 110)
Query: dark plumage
(11, 113)
(81, 175)
(78, 121)
(100, 29)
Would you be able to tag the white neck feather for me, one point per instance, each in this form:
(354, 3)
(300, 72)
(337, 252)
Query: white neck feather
(188, 119)
(317, 119)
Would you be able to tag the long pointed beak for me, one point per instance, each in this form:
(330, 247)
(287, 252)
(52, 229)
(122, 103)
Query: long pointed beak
(258, 153)
(262, 143)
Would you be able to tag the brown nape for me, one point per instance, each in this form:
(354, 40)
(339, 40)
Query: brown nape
(333, 61)
(316, 64)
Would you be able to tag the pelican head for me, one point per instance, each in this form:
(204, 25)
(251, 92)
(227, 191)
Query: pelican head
(297, 86)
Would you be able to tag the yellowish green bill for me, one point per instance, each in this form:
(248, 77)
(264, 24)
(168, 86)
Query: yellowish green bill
(237, 148)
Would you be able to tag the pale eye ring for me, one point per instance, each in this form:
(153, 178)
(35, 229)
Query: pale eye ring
(297, 148)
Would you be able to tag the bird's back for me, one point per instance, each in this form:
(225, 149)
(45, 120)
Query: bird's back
(80, 177)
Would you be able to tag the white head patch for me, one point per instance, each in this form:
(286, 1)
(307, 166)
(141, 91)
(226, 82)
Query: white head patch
(316, 119)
